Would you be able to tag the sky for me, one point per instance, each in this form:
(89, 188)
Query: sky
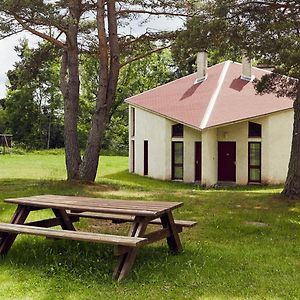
(8, 56)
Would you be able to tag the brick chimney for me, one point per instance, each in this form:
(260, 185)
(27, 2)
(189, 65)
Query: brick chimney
(247, 69)
(201, 67)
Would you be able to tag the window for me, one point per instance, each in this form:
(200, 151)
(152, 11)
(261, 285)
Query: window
(254, 162)
(254, 130)
(177, 160)
(145, 158)
(177, 130)
(132, 121)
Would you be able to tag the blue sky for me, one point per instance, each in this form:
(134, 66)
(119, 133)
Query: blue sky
(8, 56)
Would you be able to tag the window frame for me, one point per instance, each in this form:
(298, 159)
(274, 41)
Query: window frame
(250, 135)
(133, 122)
(174, 134)
(174, 165)
(250, 167)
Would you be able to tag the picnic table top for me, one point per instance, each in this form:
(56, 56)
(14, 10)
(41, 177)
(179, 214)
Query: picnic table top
(125, 207)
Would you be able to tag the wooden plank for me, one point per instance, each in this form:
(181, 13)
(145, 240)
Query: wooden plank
(74, 235)
(152, 237)
(147, 208)
(8, 239)
(65, 220)
(50, 222)
(126, 218)
(127, 260)
(173, 240)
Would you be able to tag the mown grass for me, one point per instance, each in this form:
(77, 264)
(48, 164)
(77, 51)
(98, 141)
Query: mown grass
(246, 245)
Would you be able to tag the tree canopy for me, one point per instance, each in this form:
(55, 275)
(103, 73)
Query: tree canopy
(91, 27)
(265, 30)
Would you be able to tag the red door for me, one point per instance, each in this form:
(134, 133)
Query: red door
(198, 161)
(226, 161)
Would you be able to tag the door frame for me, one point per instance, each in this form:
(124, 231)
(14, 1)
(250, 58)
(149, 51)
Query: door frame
(254, 167)
(219, 163)
(198, 166)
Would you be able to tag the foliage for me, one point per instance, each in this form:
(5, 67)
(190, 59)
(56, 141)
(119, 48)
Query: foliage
(135, 78)
(94, 28)
(33, 105)
(268, 31)
(265, 30)
(33, 102)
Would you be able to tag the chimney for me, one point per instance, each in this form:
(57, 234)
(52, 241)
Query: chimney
(247, 69)
(201, 67)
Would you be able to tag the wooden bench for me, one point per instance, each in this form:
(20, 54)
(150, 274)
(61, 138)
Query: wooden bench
(125, 218)
(125, 241)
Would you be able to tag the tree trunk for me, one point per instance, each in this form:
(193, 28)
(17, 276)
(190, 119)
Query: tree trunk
(107, 89)
(70, 88)
(292, 184)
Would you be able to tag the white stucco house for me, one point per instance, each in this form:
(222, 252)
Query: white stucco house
(211, 127)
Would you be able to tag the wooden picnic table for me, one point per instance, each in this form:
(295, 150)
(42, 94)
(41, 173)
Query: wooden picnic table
(69, 209)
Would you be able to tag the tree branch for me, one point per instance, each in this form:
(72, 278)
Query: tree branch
(40, 34)
(144, 55)
(151, 12)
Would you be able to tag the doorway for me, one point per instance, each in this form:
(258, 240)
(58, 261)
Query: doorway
(198, 161)
(227, 161)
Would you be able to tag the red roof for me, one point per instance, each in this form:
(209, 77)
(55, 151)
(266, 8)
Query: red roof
(223, 98)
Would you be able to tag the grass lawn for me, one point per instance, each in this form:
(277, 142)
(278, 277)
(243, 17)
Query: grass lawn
(246, 244)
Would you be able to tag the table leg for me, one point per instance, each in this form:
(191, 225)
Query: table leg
(66, 222)
(8, 239)
(127, 259)
(173, 240)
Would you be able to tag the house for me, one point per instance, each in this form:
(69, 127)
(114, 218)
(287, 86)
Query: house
(211, 127)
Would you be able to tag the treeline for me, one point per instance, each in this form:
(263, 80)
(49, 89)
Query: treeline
(33, 109)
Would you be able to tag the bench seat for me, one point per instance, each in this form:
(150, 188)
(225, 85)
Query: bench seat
(126, 241)
(125, 218)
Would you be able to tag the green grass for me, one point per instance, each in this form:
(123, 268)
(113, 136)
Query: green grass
(225, 257)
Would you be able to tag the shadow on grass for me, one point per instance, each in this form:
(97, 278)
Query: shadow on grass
(30, 187)
(200, 271)
(89, 262)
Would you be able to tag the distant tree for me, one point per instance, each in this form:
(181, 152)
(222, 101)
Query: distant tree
(76, 26)
(266, 30)
(33, 105)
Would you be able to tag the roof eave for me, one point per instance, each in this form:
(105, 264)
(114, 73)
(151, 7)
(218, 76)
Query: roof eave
(163, 116)
(245, 119)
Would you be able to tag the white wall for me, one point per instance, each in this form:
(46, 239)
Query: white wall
(275, 145)
(209, 157)
(190, 136)
(154, 129)
(275, 141)
(158, 131)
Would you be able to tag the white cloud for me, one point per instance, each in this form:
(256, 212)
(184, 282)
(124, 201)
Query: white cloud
(8, 57)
